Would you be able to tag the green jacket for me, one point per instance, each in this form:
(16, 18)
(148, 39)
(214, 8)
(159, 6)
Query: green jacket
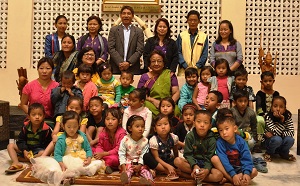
(199, 149)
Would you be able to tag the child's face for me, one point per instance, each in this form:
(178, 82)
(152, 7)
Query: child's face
(205, 74)
(166, 108)
(191, 80)
(106, 74)
(85, 77)
(36, 116)
(242, 103)
(75, 106)
(202, 124)
(134, 101)
(137, 129)
(221, 69)
(126, 79)
(278, 107)
(71, 127)
(95, 108)
(67, 83)
(227, 131)
(211, 102)
(188, 116)
(241, 81)
(162, 127)
(111, 122)
(267, 82)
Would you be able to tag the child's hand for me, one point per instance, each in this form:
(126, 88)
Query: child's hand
(99, 155)
(87, 161)
(278, 115)
(171, 170)
(237, 179)
(62, 89)
(203, 173)
(137, 168)
(93, 142)
(70, 92)
(246, 179)
(268, 134)
(62, 166)
(193, 174)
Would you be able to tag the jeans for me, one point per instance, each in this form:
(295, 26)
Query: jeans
(280, 145)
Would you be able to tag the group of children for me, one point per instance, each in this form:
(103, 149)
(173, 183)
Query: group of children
(207, 143)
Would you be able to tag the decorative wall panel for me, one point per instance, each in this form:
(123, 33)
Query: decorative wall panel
(3, 32)
(77, 11)
(278, 22)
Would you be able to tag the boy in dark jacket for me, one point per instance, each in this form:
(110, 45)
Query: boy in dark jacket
(32, 140)
(61, 94)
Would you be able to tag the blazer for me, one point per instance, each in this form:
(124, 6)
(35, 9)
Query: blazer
(171, 53)
(51, 45)
(116, 48)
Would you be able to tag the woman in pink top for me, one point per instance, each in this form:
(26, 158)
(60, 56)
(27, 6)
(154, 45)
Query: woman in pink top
(39, 90)
(109, 140)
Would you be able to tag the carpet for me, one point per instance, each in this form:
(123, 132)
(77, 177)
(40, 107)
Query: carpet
(110, 179)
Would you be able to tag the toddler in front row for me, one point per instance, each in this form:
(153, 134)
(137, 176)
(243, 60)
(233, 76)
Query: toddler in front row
(132, 149)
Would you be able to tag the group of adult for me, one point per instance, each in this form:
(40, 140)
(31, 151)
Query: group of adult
(123, 51)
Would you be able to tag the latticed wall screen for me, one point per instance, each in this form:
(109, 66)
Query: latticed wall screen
(77, 11)
(278, 22)
(3, 32)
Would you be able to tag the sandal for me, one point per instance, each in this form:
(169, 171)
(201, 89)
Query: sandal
(267, 157)
(259, 160)
(15, 168)
(261, 168)
(153, 173)
(291, 157)
(172, 177)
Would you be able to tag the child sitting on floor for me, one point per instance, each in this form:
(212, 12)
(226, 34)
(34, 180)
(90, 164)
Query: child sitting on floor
(95, 120)
(233, 157)
(245, 118)
(163, 146)
(187, 125)
(200, 146)
(110, 137)
(34, 137)
(279, 131)
(132, 149)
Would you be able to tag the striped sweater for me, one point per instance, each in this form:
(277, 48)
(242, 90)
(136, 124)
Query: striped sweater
(278, 128)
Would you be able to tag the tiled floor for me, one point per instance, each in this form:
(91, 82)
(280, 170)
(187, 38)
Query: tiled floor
(281, 172)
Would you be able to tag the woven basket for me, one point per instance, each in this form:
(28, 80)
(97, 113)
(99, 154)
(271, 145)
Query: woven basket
(4, 113)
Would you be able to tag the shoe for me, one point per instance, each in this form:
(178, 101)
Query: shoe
(15, 168)
(108, 170)
(144, 181)
(124, 178)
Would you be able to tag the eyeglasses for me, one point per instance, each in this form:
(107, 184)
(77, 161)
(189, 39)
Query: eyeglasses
(90, 55)
(157, 61)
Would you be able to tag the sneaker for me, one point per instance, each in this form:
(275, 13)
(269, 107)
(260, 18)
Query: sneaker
(108, 170)
(124, 178)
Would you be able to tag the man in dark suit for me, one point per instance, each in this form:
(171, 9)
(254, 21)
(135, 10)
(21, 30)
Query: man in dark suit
(126, 44)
